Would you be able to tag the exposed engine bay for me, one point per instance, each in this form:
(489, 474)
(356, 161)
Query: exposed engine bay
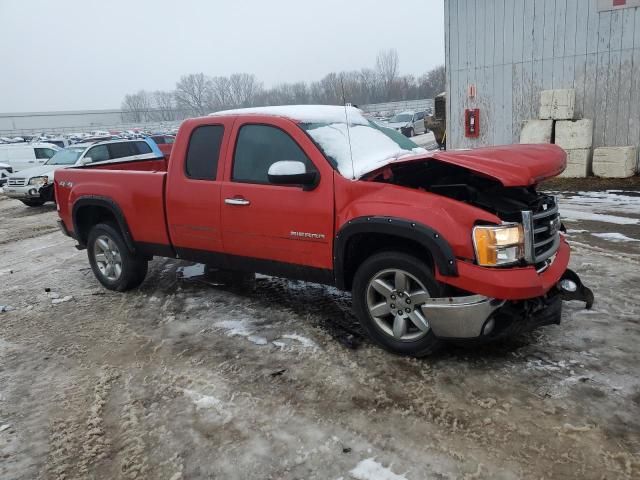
(464, 185)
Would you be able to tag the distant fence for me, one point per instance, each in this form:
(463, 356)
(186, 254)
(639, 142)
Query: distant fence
(392, 108)
(35, 123)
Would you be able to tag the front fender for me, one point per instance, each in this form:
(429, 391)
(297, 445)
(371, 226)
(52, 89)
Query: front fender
(430, 239)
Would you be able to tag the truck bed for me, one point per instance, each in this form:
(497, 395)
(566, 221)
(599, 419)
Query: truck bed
(136, 188)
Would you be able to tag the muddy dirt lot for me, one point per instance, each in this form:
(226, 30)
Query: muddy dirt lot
(180, 379)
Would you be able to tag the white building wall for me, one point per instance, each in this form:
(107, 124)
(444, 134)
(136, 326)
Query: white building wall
(511, 50)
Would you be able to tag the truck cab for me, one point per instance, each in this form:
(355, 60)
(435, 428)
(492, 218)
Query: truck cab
(434, 246)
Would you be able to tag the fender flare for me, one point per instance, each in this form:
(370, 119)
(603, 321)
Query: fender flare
(427, 237)
(109, 204)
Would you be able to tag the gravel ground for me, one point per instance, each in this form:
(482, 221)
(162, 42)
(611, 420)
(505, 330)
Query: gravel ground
(180, 379)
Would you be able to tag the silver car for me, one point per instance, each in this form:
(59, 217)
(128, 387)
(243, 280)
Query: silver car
(409, 123)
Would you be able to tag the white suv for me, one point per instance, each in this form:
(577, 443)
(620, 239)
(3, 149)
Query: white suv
(34, 186)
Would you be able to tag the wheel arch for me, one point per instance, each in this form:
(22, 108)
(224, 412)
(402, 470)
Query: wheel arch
(91, 210)
(363, 236)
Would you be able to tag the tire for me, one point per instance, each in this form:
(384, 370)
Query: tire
(416, 338)
(33, 203)
(412, 133)
(106, 237)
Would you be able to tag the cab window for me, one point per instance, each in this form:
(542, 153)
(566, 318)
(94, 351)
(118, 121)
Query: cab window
(99, 153)
(203, 152)
(260, 146)
(44, 153)
(119, 150)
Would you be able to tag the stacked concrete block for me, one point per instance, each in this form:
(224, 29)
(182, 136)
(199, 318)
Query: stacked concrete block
(557, 104)
(614, 162)
(578, 163)
(576, 138)
(536, 131)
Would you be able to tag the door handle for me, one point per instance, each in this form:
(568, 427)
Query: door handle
(237, 201)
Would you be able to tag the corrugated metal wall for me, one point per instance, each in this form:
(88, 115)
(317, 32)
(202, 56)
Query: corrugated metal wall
(513, 49)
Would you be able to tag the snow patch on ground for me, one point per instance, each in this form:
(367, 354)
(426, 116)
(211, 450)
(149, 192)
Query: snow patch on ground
(234, 328)
(306, 342)
(615, 237)
(571, 215)
(369, 469)
(191, 271)
(202, 401)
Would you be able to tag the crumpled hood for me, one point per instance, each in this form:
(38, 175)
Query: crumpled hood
(511, 165)
(39, 171)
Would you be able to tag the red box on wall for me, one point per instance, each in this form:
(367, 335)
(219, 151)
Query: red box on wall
(472, 122)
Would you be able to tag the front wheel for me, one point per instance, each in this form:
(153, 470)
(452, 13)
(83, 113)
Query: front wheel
(389, 289)
(112, 263)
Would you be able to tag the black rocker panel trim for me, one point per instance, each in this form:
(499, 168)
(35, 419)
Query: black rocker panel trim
(431, 240)
(238, 263)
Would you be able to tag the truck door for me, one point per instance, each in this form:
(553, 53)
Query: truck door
(193, 188)
(285, 225)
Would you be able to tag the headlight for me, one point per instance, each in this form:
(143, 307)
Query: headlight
(498, 245)
(39, 181)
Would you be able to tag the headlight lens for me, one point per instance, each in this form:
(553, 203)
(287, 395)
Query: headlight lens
(498, 245)
(39, 180)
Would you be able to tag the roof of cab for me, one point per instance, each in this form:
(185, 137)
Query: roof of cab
(304, 113)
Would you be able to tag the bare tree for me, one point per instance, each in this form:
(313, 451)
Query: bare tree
(194, 93)
(136, 107)
(387, 68)
(221, 93)
(243, 89)
(165, 107)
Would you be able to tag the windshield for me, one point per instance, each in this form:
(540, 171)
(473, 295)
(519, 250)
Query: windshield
(401, 117)
(372, 146)
(68, 156)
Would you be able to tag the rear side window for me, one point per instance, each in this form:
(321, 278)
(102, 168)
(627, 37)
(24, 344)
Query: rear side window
(98, 153)
(120, 150)
(258, 147)
(203, 152)
(142, 148)
(44, 153)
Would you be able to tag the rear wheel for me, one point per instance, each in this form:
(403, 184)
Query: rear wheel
(112, 263)
(388, 291)
(33, 202)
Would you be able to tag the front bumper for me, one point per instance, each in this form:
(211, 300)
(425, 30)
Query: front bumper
(26, 192)
(477, 316)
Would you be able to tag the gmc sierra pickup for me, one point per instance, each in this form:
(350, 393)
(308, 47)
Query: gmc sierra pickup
(434, 246)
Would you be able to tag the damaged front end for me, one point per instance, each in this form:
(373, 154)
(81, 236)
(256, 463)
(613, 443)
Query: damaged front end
(535, 218)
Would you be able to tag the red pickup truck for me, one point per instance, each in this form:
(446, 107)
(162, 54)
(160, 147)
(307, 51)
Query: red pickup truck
(434, 246)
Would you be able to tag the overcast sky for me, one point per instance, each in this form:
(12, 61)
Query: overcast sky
(84, 54)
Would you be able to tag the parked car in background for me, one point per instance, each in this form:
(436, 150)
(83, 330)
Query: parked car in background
(57, 141)
(409, 123)
(34, 186)
(164, 142)
(5, 171)
(26, 155)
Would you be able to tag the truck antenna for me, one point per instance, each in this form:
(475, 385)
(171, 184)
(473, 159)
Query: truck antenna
(346, 118)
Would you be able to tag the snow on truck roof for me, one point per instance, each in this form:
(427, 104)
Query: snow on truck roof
(305, 113)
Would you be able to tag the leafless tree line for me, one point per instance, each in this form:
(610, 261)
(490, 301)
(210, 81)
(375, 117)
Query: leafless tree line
(198, 94)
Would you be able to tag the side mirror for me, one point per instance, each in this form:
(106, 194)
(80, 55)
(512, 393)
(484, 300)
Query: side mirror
(86, 161)
(292, 172)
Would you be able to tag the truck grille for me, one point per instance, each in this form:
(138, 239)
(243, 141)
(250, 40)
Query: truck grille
(541, 231)
(16, 182)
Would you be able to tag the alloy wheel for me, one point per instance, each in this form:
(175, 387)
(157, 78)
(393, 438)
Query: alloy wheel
(107, 257)
(394, 298)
